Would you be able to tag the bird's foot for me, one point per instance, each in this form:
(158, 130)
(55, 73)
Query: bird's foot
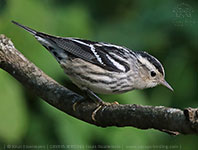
(74, 106)
(102, 105)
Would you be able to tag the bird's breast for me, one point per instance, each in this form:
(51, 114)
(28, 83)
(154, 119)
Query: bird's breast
(87, 75)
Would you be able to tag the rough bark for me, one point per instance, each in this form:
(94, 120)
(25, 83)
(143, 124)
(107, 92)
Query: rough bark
(165, 119)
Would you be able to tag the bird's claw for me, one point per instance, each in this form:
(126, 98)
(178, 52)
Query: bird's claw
(101, 105)
(74, 106)
(76, 103)
(104, 105)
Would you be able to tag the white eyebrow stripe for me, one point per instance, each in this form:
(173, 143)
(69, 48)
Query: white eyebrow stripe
(116, 64)
(146, 62)
(92, 49)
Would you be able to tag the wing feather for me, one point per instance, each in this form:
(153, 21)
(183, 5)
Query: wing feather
(110, 57)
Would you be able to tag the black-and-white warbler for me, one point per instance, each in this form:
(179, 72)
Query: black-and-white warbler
(98, 67)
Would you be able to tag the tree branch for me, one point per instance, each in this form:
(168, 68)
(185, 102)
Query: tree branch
(165, 119)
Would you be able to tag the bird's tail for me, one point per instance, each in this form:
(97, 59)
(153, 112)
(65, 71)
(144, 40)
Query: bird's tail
(26, 28)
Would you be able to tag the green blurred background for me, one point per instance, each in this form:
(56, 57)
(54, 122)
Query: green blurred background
(165, 29)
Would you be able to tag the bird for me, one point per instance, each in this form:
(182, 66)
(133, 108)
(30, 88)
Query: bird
(102, 68)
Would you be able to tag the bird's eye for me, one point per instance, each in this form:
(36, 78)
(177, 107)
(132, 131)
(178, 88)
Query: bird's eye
(153, 74)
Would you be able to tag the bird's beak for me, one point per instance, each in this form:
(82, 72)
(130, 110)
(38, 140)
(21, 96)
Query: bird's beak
(164, 83)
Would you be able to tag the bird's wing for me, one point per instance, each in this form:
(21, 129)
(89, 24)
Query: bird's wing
(108, 56)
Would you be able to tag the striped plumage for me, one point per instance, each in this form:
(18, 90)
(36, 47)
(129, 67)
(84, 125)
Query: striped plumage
(102, 67)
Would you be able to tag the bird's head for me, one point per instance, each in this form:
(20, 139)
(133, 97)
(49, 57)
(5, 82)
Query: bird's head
(150, 71)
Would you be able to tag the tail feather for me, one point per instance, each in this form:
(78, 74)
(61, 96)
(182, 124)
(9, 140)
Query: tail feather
(26, 28)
